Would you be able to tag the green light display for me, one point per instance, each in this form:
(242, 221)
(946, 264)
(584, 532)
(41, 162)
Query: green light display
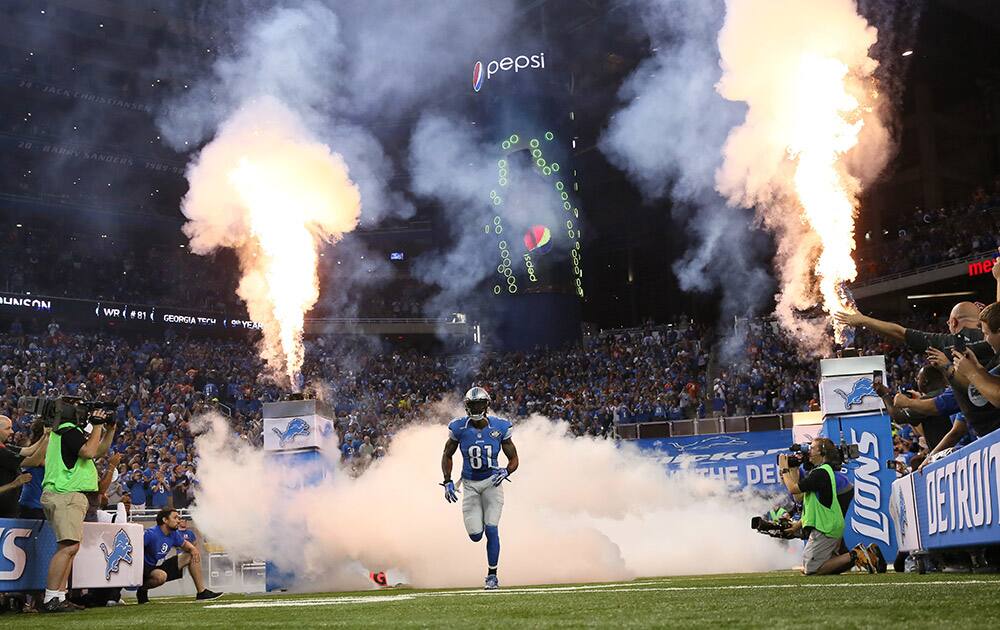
(508, 280)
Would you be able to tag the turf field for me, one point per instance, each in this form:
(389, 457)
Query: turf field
(772, 600)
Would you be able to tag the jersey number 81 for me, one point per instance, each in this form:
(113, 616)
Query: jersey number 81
(476, 457)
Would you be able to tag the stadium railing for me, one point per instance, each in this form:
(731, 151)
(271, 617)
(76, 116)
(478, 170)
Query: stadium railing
(704, 426)
(955, 267)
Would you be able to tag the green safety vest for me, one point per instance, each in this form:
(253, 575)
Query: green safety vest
(828, 520)
(82, 477)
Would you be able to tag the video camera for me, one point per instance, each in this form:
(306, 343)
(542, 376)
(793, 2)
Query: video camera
(800, 454)
(774, 529)
(55, 411)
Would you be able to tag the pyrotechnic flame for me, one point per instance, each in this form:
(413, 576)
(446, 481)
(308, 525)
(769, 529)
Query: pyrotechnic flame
(826, 127)
(266, 188)
(811, 130)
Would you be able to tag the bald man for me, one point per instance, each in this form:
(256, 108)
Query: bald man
(963, 328)
(11, 461)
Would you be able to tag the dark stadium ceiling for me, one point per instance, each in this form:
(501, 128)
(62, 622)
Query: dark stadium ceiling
(103, 50)
(121, 44)
(983, 11)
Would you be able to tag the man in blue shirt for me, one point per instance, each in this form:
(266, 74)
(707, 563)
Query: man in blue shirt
(158, 569)
(137, 488)
(159, 492)
(481, 438)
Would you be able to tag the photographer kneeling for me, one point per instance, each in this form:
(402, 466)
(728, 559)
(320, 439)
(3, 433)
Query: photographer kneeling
(822, 517)
(70, 473)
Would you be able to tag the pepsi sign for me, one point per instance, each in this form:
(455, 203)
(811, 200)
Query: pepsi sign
(481, 73)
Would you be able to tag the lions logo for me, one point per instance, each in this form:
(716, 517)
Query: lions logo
(295, 428)
(495, 435)
(122, 552)
(863, 388)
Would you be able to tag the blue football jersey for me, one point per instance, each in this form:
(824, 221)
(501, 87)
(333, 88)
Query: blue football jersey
(480, 447)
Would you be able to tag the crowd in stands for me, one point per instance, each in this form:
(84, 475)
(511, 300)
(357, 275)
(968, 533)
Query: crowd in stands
(927, 237)
(649, 374)
(159, 386)
(769, 376)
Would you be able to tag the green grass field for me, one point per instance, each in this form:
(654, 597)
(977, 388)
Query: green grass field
(772, 600)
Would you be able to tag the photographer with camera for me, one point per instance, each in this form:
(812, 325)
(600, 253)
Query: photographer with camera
(822, 515)
(70, 473)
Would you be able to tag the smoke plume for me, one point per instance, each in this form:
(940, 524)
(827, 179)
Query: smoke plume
(809, 142)
(267, 189)
(627, 518)
(668, 137)
(792, 127)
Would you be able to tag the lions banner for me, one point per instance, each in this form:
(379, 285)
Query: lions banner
(25, 550)
(954, 502)
(110, 555)
(868, 519)
(742, 459)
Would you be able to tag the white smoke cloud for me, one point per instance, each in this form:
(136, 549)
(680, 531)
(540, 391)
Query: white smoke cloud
(668, 138)
(450, 163)
(579, 509)
(715, 110)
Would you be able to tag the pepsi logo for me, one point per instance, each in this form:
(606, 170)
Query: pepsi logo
(477, 76)
(482, 73)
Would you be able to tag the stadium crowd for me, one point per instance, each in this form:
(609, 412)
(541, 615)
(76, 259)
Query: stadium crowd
(648, 374)
(927, 237)
(769, 375)
(159, 386)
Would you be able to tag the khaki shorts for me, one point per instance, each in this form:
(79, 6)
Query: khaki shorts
(819, 548)
(65, 512)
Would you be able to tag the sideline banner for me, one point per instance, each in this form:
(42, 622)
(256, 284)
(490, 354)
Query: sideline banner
(296, 432)
(25, 550)
(110, 555)
(742, 459)
(957, 499)
(868, 520)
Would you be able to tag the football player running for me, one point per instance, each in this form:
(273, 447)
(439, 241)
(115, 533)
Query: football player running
(481, 438)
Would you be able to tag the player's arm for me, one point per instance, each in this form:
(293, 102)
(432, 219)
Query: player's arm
(19, 481)
(34, 455)
(109, 473)
(107, 436)
(40, 445)
(790, 477)
(510, 452)
(968, 366)
(446, 462)
(447, 458)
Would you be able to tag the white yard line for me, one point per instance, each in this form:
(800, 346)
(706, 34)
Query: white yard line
(596, 588)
